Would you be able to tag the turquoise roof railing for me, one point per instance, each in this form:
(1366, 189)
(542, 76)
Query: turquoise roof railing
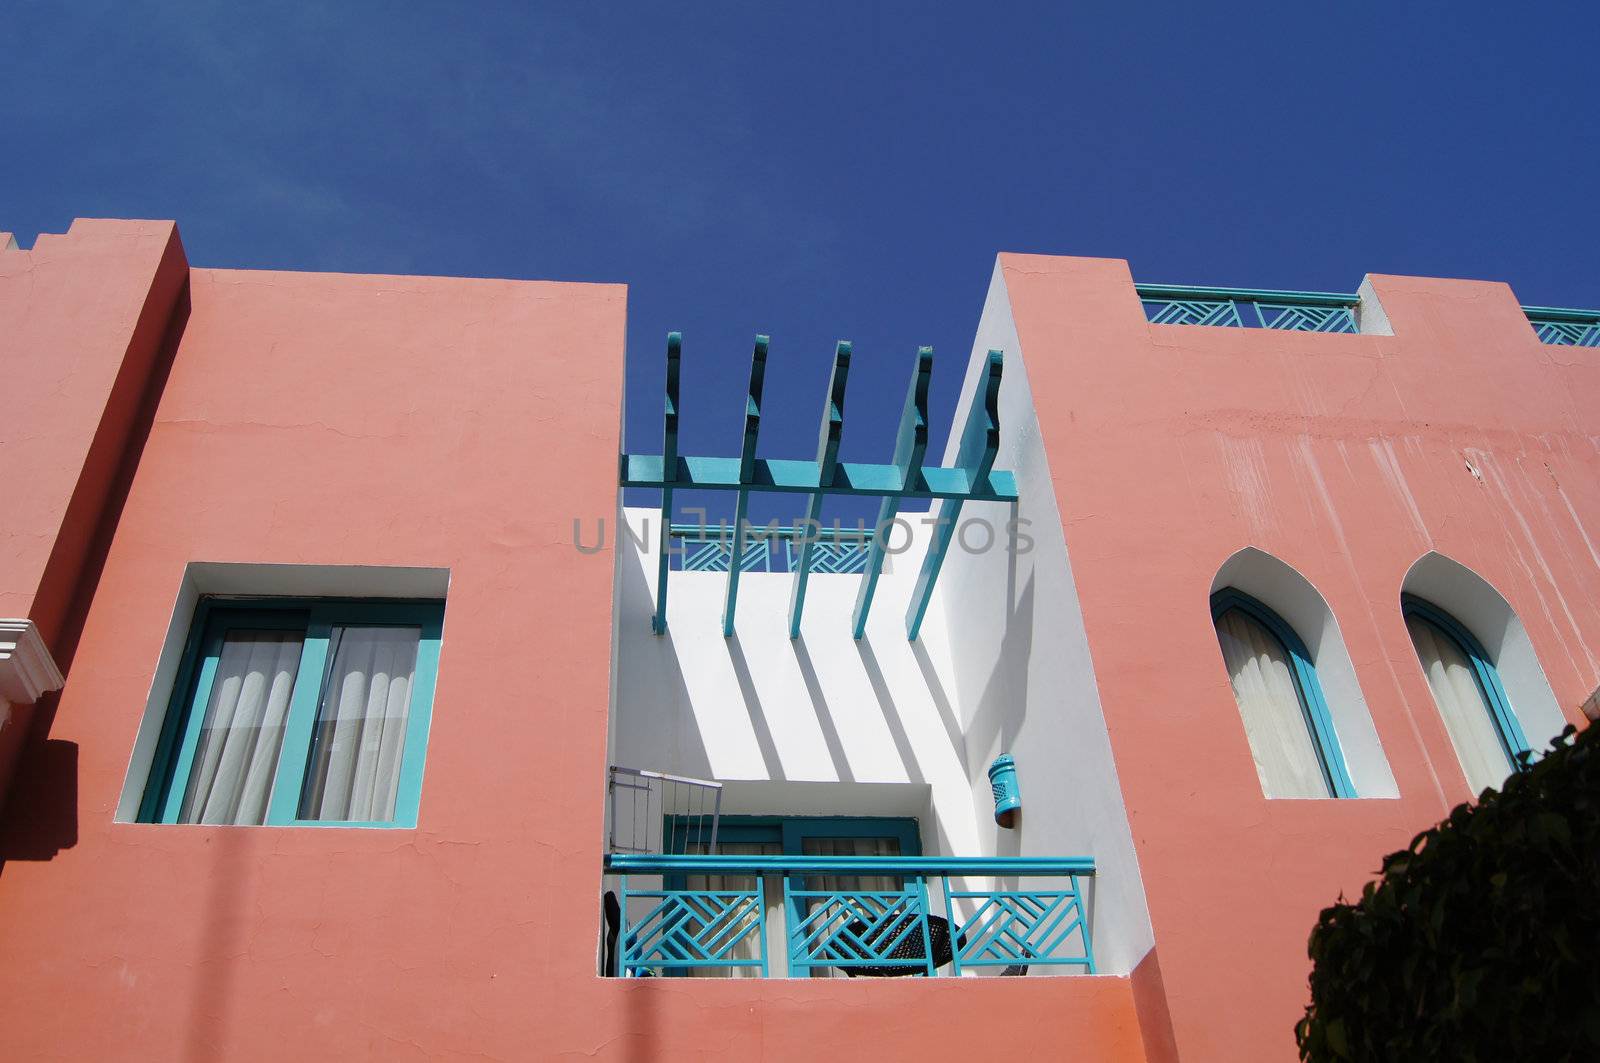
(1181, 304)
(972, 478)
(1178, 304)
(672, 929)
(1563, 327)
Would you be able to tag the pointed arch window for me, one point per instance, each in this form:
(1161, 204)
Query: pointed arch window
(1285, 714)
(1466, 687)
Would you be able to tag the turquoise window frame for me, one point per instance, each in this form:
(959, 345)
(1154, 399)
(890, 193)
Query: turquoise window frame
(791, 832)
(1313, 703)
(315, 619)
(1487, 676)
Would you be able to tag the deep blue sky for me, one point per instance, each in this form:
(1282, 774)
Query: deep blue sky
(821, 172)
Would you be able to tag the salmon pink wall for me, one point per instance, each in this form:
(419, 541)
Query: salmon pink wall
(82, 315)
(1348, 458)
(347, 420)
(83, 318)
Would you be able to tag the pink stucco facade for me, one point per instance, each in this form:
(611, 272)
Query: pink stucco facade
(1349, 457)
(157, 416)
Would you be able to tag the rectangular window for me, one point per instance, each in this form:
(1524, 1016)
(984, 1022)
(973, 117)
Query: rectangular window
(299, 712)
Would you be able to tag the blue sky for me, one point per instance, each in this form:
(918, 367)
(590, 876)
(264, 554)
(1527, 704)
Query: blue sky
(819, 171)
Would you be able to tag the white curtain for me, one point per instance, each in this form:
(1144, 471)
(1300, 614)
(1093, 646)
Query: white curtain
(847, 883)
(1264, 686)
(1467, 716)
(361, 725)
(772, 896)
(772, 900)
(237, 757)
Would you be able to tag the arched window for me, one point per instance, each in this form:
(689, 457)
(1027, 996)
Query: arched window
(1285, 714)
(1467, 689)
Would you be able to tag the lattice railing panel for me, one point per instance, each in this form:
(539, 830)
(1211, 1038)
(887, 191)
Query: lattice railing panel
(1567, 333)
(882, 932)
(1222, 312)
(1306, 318)
(835, 558)
(696, 928)
(852, 928)
(713, 552)
(1278, 313)
(716, 555)
(1027, 927)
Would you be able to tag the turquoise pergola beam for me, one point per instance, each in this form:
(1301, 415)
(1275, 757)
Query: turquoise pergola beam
(747, 472)
(669, 451)
(980, 442)
(972, 478)
(911, 443)
(784, 476)
(828, 437)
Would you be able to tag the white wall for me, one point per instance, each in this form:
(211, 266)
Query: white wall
(884, 726)
(1024, 677)
(875, 715)
(821, 725)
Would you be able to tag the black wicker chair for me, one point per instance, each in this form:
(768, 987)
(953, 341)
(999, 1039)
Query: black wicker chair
(909, 948)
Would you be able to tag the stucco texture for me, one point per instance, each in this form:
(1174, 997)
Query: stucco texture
(341, 420)
(1348, 457)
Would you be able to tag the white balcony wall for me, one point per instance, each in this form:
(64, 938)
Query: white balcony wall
(827, 725)
(1023, 674)
(820, 725)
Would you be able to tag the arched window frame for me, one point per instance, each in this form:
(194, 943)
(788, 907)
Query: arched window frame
(1313, 705)
(1512, 740)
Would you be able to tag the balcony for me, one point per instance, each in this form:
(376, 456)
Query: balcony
(811, 718)
(857, 916)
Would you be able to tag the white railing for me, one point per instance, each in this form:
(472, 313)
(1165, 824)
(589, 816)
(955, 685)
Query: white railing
(653, 812)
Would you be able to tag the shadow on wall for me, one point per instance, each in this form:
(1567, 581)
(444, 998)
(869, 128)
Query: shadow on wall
(659, 662)
(754, 709)
(44, 799)
(230, 897)
(942, 704)
(642, 1007)
(660, 719)
(819, 706)
(1001, 710)
(891, 712)
(40, 815)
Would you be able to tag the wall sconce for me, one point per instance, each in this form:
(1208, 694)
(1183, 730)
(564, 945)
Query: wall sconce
(1007, 795)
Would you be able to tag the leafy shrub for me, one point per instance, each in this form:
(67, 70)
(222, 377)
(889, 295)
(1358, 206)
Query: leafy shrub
(1479, 942)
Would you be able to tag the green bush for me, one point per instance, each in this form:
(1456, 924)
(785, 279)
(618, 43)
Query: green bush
(1481, 941)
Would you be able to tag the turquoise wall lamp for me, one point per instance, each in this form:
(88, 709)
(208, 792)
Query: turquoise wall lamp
(1007, 795)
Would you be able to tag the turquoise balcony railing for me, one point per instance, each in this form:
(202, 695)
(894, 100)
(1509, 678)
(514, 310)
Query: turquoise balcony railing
(766, 548)
(1178, 304)
(890, 930)
(1565, 328)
